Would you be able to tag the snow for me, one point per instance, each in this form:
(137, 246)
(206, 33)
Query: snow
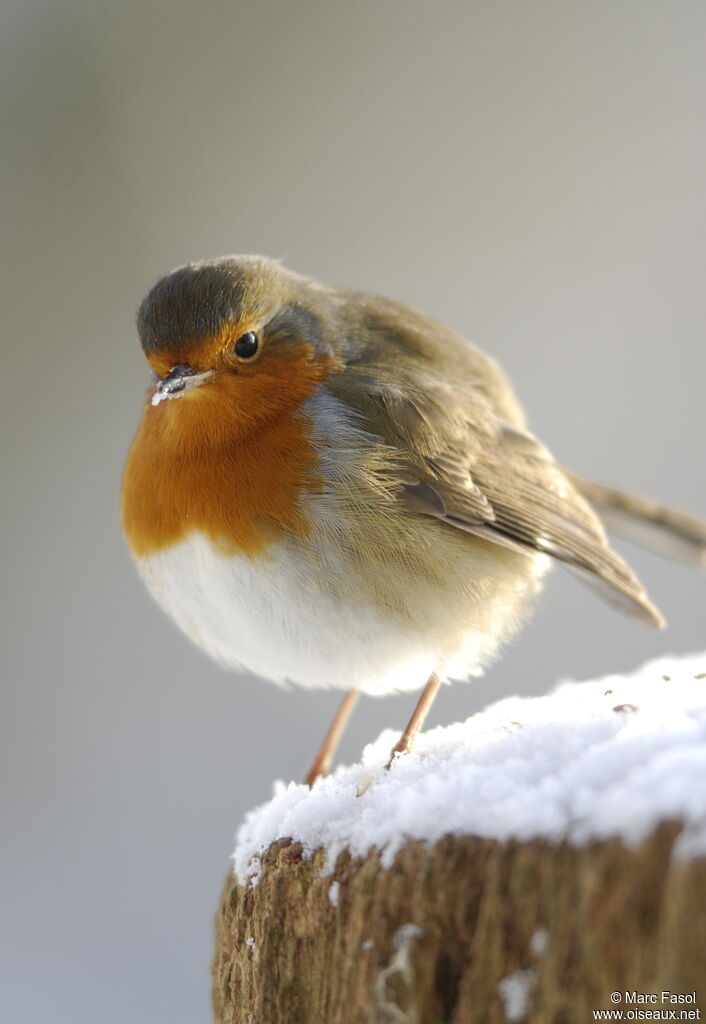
(397, 978)
(539, 942)
(611, 757)
(404, 935)
(334, 892)
(515, 993)
(516, 989)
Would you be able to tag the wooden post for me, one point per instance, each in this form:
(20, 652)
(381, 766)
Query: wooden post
(467, 931)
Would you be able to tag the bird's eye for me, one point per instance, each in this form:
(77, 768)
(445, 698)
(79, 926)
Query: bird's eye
(247, 345)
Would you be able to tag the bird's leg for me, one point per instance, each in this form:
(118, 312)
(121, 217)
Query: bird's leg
(406, 740)
(322, 761)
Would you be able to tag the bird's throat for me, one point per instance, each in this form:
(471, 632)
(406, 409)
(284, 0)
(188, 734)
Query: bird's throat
(230, 462)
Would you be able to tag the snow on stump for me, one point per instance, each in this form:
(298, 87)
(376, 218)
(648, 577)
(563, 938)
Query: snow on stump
(541, 861)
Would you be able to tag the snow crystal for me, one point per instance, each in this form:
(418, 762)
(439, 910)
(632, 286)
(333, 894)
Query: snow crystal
(539, 942)
(404, 934)
(612, 757)
(515, 992)
(397, 978)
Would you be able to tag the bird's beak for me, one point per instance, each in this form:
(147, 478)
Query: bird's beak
(178, 381)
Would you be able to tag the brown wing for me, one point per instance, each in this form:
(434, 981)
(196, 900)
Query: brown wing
(666, 531)
(468, 468)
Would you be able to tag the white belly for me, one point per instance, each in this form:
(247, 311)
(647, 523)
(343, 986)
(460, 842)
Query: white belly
(273, 618)
(267, 617)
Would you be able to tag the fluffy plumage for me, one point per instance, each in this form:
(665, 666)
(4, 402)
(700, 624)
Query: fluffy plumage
(360, 504)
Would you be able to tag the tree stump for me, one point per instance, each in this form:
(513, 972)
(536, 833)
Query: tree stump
(543, 861)
(464, 931)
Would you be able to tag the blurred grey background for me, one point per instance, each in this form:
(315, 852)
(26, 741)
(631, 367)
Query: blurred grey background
(531, 173)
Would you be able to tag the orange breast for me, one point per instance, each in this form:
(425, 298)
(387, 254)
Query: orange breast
(229, 459)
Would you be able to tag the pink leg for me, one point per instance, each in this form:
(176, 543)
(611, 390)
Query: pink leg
(406, 740)
(322, 761)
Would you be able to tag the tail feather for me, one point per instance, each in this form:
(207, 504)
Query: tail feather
(663, 530)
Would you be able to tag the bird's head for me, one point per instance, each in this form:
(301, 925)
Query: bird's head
(241, 330)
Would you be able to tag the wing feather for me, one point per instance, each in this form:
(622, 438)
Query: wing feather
(470, 469)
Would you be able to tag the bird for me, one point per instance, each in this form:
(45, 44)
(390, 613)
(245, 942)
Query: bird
(332, 489)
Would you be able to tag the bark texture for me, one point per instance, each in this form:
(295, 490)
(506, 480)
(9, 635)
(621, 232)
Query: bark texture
(581, 923)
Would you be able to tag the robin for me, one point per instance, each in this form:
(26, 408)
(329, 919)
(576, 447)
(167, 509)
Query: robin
(330, 488)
